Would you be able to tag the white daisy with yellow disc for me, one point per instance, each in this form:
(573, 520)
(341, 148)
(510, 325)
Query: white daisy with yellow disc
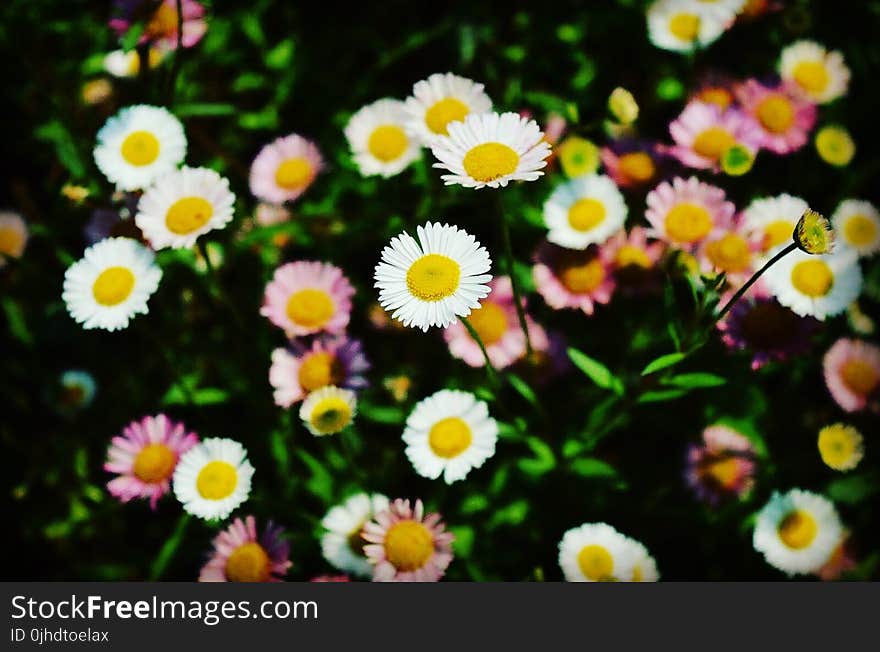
(491, 149)
(822, 76)
(432, 280)
(644, 566)
(138, 145)
(816, 286)
(583, 211)
(770, 221)
(342, 545)
(797, 531)
(111, 283)
(441, 99)
(378, 139)
(683, 25)
(213, 478)
(328, 410)
(182, 205)
(449, 433)
(596, 552)
(857, 224)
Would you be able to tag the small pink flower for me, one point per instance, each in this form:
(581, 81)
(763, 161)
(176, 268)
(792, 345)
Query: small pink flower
(145, 456)
(724, 465)
(634, 163)
(852, 373)
(684, 213)
(161, 28)
(569, 278)
(271, 214)
(842, 560)
(634, 259)
(784, 117)
(284, 169)
(731, 251)
(308, 297)
(703, 132)
(242, 556)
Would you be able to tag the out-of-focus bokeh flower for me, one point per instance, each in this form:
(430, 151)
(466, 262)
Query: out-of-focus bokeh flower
(852, 373)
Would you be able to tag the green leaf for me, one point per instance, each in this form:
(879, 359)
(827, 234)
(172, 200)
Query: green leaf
(474, 503)
(65, 149)
(15, 319)
(695, 380)
(166, 553)
(265, 119)
(281, 55)
(512, 514)
(662, 362)
(464, 540)
(204, 109)
(592, 467)
(252, 28)
(544, 460)
(596, 371)
(132, 36)
(210, 396)
(381, 413)
(279, 451)
(523, 388)
(321, 481)
(853, 489)
(661, 395)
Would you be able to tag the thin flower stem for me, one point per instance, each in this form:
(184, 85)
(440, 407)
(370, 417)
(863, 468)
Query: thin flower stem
(739, 293)
(168, 550)
(175, 66)
(216, 288)
(490, 369)
(508, 254)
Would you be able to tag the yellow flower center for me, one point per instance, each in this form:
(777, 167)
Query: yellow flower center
(582, 278)
(711, 143)
(217, 480)
(154, 463)
(637, 574)
(835, 145)
(11, 240)
(860, 377)
(688, 223)
(113, 286)
(778, 232)
(319, 370)
(729, 253)
(812, 76)
(450, 437)
(330, 415)
(310, 308)
(860, 230)
(596, 563)
(490, 161)
(388, 142)
(433, 277)
(775, 113)
(718, 96)
(839, 446)
(447, 110)
(294, 173)
(685, 26)
(163, 22)
(631, 255)
(188, 214)
(798, 529)
(490, 322)
(408, 545)
(812, 277)
(724, 471)
(248, 563)
(140, 148)
(586, 214)
(637, 166)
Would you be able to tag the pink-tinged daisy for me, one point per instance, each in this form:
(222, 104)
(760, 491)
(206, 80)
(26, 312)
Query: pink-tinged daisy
(497, 325)
(722, 466)
(241, 555)
(405, 545)
(145, 456)
(308, 297)
(634, 259)
(715, 88)
(852, 373)
(730, 251)
(569, 278)
(703, 133)
(784, 117)
(821, 76)
(284, 169)
(271, 214)
(633, 163)
(13, 236)
(301, 369)
(686, 212)
(330, 578)
(161, 28)
(841, 561)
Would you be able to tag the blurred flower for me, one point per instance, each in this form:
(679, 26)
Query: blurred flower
(378, 140)
(841, 560)
(554, 128)
(120, 63)
(722, 466)
(406, 545)
(633, 163)
(634, 259)
(568, 278)
(770, 221)
(683, 25)
(13, 236)
(686, 212)
(330, 578)
(432, 281)
(449, 433)
(784, 117)
(737, 160)
(852, 373)
(398, 386)
(596, 552)
(145, 457)
(111, 283)
(857, 226)
(549, 358)
(703, 133)
(578, 156)
(308, 297)
(491, 149)
(441, 99)
(731, 252)
(797, 531)
(715, 88)
(271, 214)
(586, 210)
(328, 410)
(96, 91)
(240, 555)
(858, 320)
(623, 106)
(78, 389)
(814, 234)
(284, 169)
(161, 24)
(819, 286)
(343, 543)
(841, 447)
(645, 566)
(213, 478)
(821, 76)
(835, 146)
(76, 194)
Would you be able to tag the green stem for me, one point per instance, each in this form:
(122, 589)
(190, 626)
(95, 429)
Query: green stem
(216, 289)
(739, 293)
(167, 551)
(490, 369)
(175, 65)
(508, 254)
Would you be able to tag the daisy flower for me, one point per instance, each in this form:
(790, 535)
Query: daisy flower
(842, 560)
(497, 324)
(330, 578)
(723, 465)
(770, 221)
(857, 224)
(703, 133)
(406, 545)
(242, 555)
(835, 146)
(584, 211)
(120, 63)
(797, 531)
(328, 410)
(432, 281)
(213, 478)
(852, 373)
(634, 259)
(683, 25)
(578, 156)
(644, 566)
(308, 297)
(138, 145)
(284, 169)
(632, 163)
(449, 433)
(111, 283)
(378, 140)
(730, 252)
(161, 28)
(596, 552)
(821, 76)
(78, 388)
(568, 278)
(818, 286)
(13, 236)
(686, 212)
(343, 543)
(841, 447)
(145, 456)
(784, 117)
(441, 99)
(491, 149)
(182, 205)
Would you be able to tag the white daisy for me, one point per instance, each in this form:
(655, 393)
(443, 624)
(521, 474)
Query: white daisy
(682, 25)
(822, 76)
(584, 211)
(596, 552)
(111, 283)
(120, 63)
(644, 566)
(797, 531)
(378, 140)
(430, 282)
(449, 433)
(770, 221)
(489, 149)
(441, 99)
(818, 286)
(857, 224)
(213, 478)
(342, 545)
(139, 144)
(328, 410)
(182, 205)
